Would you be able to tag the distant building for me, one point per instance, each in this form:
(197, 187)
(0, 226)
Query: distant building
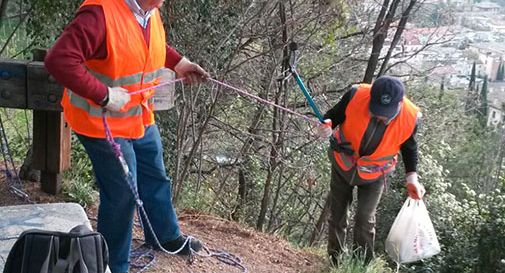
(496, 101)
(487, 7)
(498, 26)
(454, 3)
(491, 55)
(495, 116)
(416, 39)
(477, 22)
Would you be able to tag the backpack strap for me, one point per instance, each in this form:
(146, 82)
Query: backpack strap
(74, 259)
(52, 254)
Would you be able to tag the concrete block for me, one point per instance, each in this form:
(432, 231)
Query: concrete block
(55, 217)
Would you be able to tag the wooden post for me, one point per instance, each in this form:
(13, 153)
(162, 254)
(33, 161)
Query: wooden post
(51, 134)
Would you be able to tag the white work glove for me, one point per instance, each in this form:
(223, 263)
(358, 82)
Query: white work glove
(324, 129)
(118, 97)
(415, 189)
(191, 71)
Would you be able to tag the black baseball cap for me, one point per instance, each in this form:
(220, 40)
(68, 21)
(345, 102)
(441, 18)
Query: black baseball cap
(385, 97)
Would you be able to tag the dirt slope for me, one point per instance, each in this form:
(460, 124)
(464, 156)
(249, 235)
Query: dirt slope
(258, 252)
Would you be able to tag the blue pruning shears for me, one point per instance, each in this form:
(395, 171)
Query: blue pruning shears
(292, 68)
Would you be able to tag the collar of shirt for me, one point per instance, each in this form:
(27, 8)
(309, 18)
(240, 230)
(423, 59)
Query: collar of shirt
(141, 15)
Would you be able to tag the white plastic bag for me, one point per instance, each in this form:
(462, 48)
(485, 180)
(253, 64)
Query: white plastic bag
(412, 236)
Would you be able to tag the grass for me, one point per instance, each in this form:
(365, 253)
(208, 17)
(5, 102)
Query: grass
(79, 180)
(352, 262)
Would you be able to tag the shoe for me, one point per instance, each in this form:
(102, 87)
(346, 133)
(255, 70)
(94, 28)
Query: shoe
(176, 244)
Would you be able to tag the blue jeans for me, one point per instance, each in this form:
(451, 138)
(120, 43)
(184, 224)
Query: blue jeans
(117, 205)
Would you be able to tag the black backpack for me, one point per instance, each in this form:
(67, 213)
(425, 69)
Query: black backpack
(78, 251)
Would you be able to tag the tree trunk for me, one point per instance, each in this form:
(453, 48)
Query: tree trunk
(266, 195)
(3, 10)
(243, 187)
(273, 162)
(275, 202)
(241, 195)
(398, 35)
(277, 125)
(380, 33)
(316, 233)
(26, 172)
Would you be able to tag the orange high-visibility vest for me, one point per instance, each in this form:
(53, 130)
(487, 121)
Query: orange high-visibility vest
(357, 118)
(131, 64)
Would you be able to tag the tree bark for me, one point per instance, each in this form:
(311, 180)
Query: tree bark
(316, 233)
(3, 10)
(380, 33)
(241, 195)
(398, 35)
(277, 124)
(27, 172)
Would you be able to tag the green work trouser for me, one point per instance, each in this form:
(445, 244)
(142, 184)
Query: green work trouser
(341, 197)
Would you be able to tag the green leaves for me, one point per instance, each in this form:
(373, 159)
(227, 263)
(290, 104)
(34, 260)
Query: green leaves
(48, 18)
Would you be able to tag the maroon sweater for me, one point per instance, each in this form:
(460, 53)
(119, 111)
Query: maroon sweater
(84, 39)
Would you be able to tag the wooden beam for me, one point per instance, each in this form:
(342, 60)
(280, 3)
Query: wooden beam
(13, 84)
(43, 92)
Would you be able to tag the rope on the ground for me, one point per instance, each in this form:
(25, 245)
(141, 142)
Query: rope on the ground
(224, 257)
(142, 258)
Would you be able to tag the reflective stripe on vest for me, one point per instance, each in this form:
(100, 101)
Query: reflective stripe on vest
(128, 80)
(94, 111)
(375, 168)
(368, 159)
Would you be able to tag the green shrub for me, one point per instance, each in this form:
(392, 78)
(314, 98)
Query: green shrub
(79, 180)
(355, 263)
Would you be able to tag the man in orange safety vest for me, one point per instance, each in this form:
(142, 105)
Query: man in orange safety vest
(367, 128)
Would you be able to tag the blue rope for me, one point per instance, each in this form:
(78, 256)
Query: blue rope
(224, 257)
(142, 258)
